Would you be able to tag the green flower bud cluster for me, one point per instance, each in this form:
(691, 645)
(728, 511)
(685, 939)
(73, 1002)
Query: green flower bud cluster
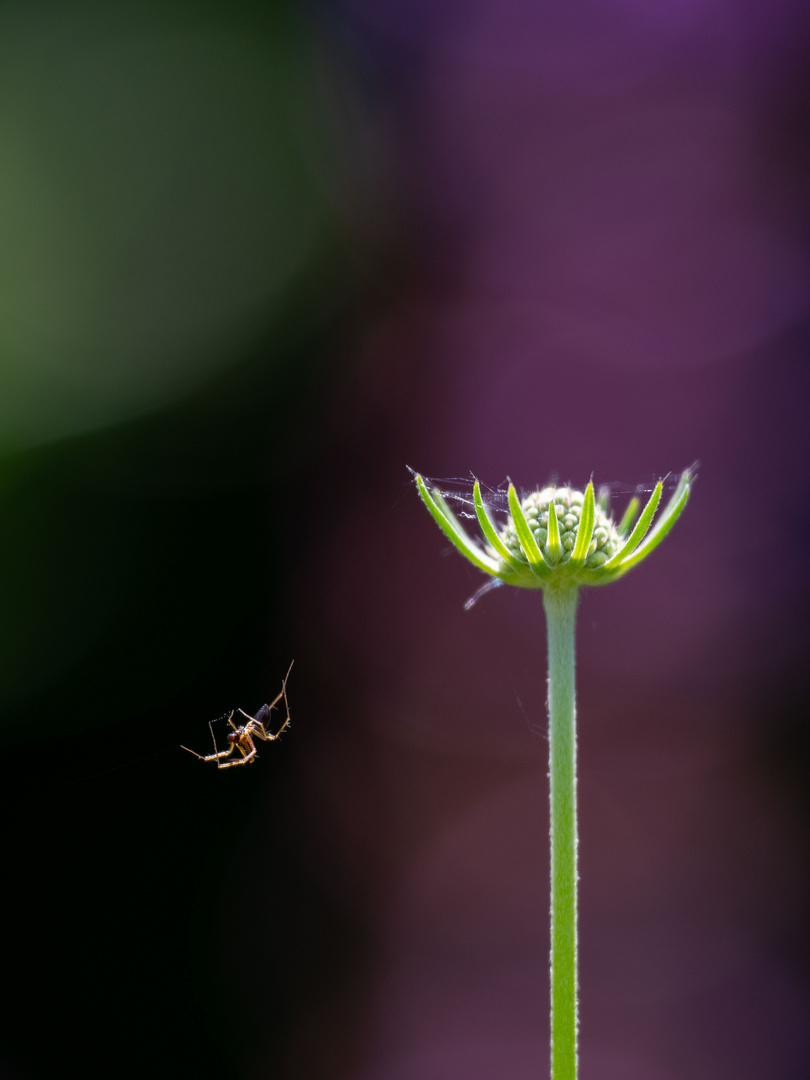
(559, 537)
(605, 541)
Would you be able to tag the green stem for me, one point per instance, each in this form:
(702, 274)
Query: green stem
(561, 606)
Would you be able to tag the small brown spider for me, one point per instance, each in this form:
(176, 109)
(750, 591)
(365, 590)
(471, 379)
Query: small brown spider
(241, 738)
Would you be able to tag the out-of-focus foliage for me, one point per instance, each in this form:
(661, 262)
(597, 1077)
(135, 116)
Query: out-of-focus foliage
(162, 183)
(170, 228)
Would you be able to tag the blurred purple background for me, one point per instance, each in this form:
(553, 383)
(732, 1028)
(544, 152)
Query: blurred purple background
(570, 242)
(606, 213)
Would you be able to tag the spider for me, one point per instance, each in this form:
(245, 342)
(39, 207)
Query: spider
(241, 738)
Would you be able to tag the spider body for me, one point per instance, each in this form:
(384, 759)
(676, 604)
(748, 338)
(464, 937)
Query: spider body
(242, 738)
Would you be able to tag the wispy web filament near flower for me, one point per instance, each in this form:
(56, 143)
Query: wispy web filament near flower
(459, 489)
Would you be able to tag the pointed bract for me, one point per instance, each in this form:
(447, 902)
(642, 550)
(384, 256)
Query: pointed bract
(526, 537)
(628, 517)
(553, 545)
(672, 512)
(587, 522)
(636, 536)
(453, 530)
(490, 532)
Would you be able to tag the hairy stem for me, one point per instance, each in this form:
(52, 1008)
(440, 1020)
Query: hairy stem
(561, 605)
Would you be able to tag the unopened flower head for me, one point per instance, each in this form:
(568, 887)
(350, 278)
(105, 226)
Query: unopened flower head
(568, 503)
(559, 537)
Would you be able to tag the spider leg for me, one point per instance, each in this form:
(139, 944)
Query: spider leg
(217, 754)
(244, 760)
(286, 706)
(283, 727)
(256, 726)
(264, 733)
(268, 736)
(246, 740)
(267, 709)
(216, 757)
(208, 757)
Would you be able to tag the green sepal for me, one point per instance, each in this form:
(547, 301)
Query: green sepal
(628, 517)
(491, 533)
(635, 537)
(526, 536)
(452, 529)
(672, 512)
(587, 521)
(553, 545)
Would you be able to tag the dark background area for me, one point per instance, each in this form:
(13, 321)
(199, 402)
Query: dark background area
(255, 260)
